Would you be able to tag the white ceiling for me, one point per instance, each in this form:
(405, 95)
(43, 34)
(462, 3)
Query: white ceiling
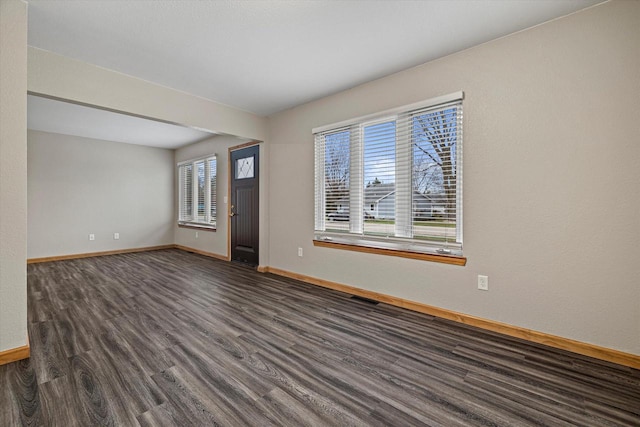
(268, 56)
(70, 119)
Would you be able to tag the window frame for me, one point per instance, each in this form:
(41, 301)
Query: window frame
(208, 221)
(355, 238)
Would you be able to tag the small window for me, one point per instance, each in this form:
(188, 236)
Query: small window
(197, 182)
(244, 168)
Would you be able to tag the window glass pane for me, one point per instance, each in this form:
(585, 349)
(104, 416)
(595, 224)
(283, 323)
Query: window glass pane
(244, 168)
(186, 202)
(434, 137)
(380, 178)
(201, 190)
(336, 175)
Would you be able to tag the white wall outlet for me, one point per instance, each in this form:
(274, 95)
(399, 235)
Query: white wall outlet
(196, 234)
(225, 200)
(483, 282)
(92, 237)
(116, 236)
(299, 251)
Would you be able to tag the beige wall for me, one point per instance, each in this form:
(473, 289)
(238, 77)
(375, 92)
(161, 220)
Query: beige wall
(58, 76)
(551, 210)
(13, 174)
(216, 242)
(78, 186)
(209, 241)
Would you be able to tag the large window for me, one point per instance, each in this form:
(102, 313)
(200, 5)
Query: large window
(197, 192)
(393, 180)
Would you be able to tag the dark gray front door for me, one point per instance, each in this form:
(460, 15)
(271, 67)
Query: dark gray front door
(244, 205)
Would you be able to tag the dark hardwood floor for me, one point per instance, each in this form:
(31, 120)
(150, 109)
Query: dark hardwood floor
(169, 338)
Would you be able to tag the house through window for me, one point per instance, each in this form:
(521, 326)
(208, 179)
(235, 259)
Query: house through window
(393, 180)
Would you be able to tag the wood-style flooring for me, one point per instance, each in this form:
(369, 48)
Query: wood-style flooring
(170, 338)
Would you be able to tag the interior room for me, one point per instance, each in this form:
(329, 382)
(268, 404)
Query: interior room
(319, 213)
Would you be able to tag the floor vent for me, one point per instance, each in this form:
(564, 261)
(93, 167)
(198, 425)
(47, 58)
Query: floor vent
(363, 299)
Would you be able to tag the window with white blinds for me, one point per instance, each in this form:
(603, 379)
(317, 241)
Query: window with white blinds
(197, 192)
(393, 180)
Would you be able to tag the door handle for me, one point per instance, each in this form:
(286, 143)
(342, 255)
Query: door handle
(231, 212)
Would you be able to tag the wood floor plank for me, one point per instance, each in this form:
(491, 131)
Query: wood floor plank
(200, 317)
(614, 416)
(186, 402)
(161, 416)
(125, 339)
(73, 338)
(170, 338)
(324, 406)
(122, 367)
(218, 368)
(49, 360)
(90, 387)
(162, 328)
(384, 392)
(522, 399)
(280, 405)
(340, 387)
(621, 397)
(10, 411)
(20, 401)
(386, 414)
(233, 401)
(61, 404)
(39, 308)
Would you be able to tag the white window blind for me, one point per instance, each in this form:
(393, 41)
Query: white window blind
(213, 178)
(393, 180)
(197, 192)
(333, 197)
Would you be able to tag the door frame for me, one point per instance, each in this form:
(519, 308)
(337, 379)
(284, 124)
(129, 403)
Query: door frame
(229, 179)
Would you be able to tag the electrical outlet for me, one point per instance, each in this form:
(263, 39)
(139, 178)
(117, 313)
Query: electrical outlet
(299, 251)
(196, 234)
(116, 236)
(92, 237)
(483, 282)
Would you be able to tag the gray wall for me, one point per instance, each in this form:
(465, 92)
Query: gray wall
(13, 174)
(551, 211)
(78, 186)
